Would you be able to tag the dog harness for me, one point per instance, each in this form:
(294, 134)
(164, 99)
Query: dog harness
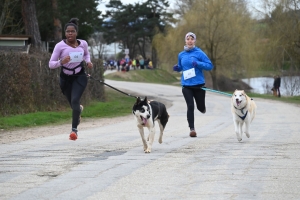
(243, 117)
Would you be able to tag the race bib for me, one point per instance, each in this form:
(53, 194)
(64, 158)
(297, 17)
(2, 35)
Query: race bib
(76, 57)
(189, 73)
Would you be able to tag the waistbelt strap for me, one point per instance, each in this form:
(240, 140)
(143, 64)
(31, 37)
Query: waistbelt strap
(73, 70)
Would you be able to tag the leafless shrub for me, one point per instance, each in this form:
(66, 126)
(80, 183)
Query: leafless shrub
(28, 85)
(292, 85)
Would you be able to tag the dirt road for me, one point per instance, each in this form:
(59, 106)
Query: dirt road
(108, 162)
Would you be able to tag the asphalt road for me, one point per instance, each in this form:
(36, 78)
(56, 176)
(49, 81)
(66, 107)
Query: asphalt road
(108, 162)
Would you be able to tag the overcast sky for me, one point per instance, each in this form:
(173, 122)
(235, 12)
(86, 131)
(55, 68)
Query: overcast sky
(102, 7)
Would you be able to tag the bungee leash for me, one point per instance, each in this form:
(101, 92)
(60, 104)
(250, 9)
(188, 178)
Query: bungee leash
(216, 91)
(203, 88)
(89, 76)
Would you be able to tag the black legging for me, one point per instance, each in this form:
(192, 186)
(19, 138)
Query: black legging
(191, 93)
(73, 87)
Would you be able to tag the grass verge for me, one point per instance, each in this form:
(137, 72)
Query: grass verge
(293, 99)
(117, 104)
(146, 76)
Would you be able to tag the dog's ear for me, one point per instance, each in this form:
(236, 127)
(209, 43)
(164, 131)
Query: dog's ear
(138, 100)
(145, 100)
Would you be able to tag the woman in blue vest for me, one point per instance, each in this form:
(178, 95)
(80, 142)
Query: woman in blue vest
(191, 62)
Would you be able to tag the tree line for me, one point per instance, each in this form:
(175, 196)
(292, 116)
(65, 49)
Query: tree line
(132, 26)
(238, 42)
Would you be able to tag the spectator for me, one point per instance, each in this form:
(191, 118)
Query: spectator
(150, 65)
(123, 64)
(142, 63)
(111, 64)
(118, 64)
(147, 63)
(115, 64)
(128, 65)
(137, 62)
(134, 64)
(276, 86)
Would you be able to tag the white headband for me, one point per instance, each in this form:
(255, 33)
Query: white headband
(190, 34)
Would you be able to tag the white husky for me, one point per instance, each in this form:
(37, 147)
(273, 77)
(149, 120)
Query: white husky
(243, 110)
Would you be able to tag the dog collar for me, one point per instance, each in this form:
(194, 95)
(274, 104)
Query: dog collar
(242, 109)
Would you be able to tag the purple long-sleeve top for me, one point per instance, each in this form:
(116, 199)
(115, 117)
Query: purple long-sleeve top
(62, 50)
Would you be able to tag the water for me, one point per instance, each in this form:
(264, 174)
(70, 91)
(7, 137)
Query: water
(290, 85)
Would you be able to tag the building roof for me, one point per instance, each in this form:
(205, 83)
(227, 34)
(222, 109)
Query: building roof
(15, 37)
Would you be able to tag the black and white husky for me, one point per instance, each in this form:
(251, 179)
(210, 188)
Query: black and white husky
(146, 113)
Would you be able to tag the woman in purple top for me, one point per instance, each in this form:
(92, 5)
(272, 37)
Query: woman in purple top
(71, 54)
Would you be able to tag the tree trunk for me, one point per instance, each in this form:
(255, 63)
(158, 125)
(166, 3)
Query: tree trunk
(213, 74)
(31, 24)
(154, 57)
(57, 23)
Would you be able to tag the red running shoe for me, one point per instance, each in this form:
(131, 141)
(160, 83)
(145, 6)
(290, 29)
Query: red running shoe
(73, 136)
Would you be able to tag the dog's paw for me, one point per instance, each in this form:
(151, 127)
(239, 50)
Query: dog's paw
(148, 151)
(239, 139)
(145, 148)
(160, 140)
(247, 134)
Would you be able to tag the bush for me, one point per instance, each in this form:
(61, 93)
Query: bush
(29, 85)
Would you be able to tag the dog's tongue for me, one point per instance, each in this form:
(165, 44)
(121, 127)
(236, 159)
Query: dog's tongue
(237, 102)
(144, 120)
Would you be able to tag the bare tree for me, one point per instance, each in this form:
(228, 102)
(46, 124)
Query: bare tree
(31, 24)
(223, 29)
(282, 27)
(56, 22)
(8, 7)
(182, 6)
(292, 85)
(97, 45)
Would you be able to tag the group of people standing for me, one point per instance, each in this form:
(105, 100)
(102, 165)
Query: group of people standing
(137, 63)
(72, 56)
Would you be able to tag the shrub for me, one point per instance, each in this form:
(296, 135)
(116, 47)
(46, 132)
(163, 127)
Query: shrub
(27, 84)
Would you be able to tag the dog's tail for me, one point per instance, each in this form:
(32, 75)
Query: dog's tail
(253, 110)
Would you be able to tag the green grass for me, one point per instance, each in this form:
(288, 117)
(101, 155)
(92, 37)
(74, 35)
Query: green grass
(293, 99)
(284, 99)
(147, 76)
(117, 104)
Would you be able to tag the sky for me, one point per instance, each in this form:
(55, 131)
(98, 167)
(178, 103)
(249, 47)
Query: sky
(102, 7)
